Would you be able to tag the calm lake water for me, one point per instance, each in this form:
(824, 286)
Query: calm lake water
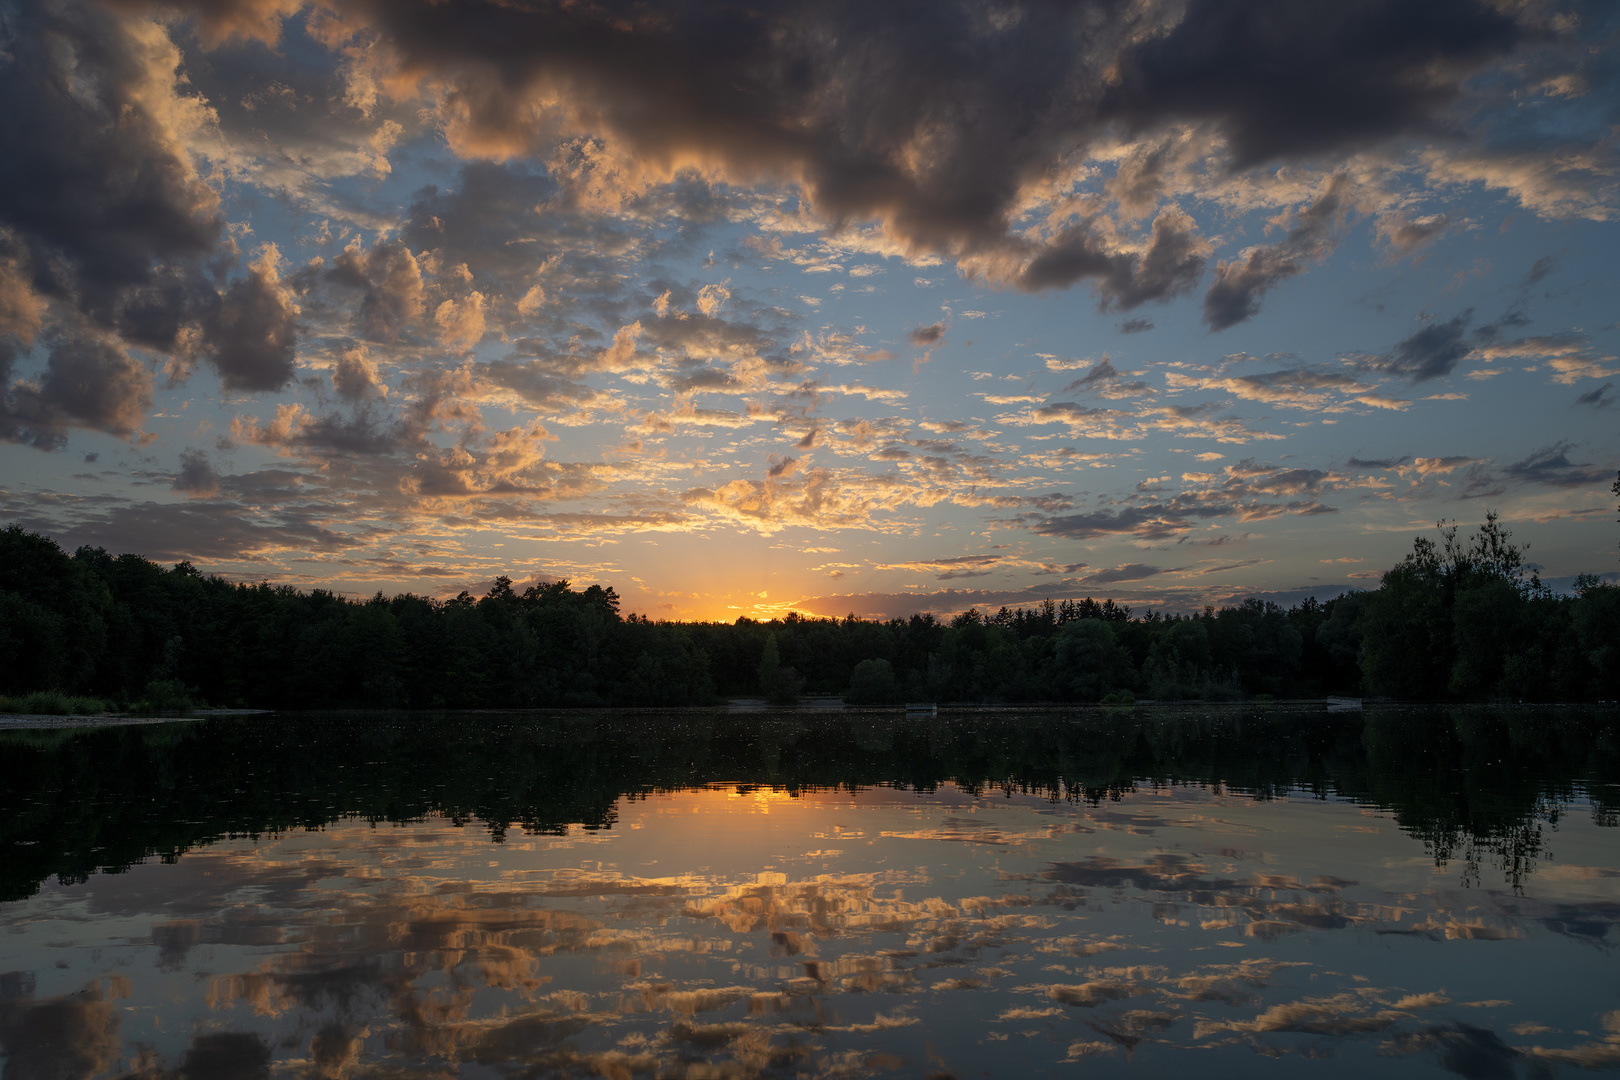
(707, 894)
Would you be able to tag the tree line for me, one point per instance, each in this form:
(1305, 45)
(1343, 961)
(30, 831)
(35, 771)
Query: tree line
(1457, 619)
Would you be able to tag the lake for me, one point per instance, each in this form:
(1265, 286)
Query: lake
(1242, 890)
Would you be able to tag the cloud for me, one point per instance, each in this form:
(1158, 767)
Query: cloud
(1428, 354)
(1103, 380)
(924, 336)
(1171, 265)
(169, 532)
(1573, 180)
(90, 382)
(354, 376)
(1249, 495)
(1283, 81)
(1570, 356)
(1152, 521)
(1550, 466)
(1136, 326)
(96, 180)
(959, 566)
(1340, 1014)
(1196, 421)
(1540, 269)
(1289, 481)
(390, 279)
(461, 321)
(977, 113)
(1464, 1050)
(1403, 234)
(196, 477)
(75, 1035)
(901, 605)
(1296, 388)
(1240, 283)
(226, 1055)
(1124, 572)
(253, 332)
(22, 311)
(1599, 398)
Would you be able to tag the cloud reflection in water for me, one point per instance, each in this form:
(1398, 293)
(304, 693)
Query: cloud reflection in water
(734, 931)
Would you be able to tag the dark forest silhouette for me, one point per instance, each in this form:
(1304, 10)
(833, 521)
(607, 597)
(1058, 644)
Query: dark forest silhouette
(1457, 619)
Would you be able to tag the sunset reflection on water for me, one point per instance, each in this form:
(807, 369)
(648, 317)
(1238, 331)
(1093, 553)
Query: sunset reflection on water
(738, 929)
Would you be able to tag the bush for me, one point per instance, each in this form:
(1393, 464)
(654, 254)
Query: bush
(54, 703)
(164, 696)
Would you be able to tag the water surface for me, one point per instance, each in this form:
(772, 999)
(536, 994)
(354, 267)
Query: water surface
(999, 893)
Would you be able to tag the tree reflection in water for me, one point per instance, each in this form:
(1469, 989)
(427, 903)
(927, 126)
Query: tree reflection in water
(1475, 784)
(795, 893)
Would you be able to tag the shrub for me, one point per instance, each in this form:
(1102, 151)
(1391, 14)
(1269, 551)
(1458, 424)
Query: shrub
(54, 703)
(165, 696)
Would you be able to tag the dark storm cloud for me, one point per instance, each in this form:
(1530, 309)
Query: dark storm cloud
(1284, 79)
(92, 180)
(1428, 354)
(1239, 283)
(933, 118)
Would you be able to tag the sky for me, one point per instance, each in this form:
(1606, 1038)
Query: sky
(821, 306)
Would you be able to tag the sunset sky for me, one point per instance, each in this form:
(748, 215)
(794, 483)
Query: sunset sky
(818, 306)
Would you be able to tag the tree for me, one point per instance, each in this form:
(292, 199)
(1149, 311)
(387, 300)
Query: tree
(873, 683)
(1088, 662)
(778, 682)
(1451, 618)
